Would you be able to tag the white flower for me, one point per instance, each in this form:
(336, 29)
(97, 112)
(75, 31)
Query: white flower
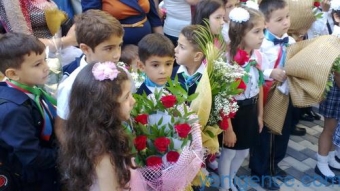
(252, 5)
(239, 15)
(335, 5)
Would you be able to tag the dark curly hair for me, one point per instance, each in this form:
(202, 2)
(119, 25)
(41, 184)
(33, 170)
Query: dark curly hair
(93, 130)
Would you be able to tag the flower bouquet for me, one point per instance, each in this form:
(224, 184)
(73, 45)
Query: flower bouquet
(225, 82)
(137, 76)
(167, 138)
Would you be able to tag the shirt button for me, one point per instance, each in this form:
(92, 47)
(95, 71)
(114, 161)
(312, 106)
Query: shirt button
(39, 122)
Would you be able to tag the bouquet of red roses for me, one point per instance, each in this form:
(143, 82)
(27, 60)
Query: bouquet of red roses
(167, 138)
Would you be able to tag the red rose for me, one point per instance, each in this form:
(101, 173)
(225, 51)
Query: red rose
(162, 143)
(168, 101)
(243, 1)
(232, 114)
(317, 4)
(140, 142)
(241, 85)
(142, 118)
(172, 156)
(153, 161)
(241, 57)
(183, 130)
(224, 124)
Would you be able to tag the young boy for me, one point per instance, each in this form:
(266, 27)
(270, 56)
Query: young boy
(100, 37)
(27, 143)
(156, 54)
(189, 56)
(264, 159)
(130, 56)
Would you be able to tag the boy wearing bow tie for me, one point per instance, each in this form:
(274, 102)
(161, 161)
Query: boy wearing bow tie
(271, 149)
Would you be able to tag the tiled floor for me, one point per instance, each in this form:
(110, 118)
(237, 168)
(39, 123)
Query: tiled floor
(299, 163)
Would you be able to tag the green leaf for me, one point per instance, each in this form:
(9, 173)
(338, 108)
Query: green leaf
(192, 97)
(211, 134)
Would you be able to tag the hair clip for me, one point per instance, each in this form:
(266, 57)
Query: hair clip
(105, 70)
(335, 5)
(239, 15)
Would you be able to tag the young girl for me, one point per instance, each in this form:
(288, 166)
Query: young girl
(330, 109)
(211, 11)
(96, 154)
(228, 5)
(246, 35)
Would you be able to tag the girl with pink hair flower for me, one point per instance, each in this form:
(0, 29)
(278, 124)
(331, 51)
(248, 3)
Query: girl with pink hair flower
(97, 150)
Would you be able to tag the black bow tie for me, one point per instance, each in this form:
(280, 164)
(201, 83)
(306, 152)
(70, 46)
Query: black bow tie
(281, 41)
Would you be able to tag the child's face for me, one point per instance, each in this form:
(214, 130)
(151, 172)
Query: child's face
(216, 20)
(253, 38)
(279, 22)
(33, 71)
(109, 50)
(126, 100)
(230, 5)
(184, 52)
(158, 68)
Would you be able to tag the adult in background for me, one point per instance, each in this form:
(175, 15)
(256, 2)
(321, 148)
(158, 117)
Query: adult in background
(35, 17)
(138, 18)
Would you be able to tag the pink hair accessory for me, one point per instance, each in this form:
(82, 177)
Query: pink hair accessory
(105, 70)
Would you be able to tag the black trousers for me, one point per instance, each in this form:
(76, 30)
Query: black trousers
(270, 149)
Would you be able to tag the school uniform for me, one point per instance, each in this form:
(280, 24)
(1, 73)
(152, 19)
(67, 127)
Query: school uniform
(64, 91)
(188, 82)
(29, 151)
(245, 122)
(271, 149)
(330, 107)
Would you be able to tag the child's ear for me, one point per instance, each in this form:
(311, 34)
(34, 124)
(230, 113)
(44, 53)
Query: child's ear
(198, 56)
(140, 65)
(86, 49)
(12, 74)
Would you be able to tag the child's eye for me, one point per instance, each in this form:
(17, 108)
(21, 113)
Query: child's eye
(155, 65)
(37, 64)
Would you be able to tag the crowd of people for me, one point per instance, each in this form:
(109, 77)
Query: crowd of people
(76, 140)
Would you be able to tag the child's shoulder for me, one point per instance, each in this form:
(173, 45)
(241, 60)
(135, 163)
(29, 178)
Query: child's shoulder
(143, 88)
(13, 101)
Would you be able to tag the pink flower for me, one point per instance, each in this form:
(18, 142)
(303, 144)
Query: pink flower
(104, 71)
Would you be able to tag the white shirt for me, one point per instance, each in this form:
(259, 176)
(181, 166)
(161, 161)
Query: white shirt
(336, 31)
(271, 52)
(64, 90)
(184, 69)
(319, 27)
(225, 32)
(253, 83)
(178, 15)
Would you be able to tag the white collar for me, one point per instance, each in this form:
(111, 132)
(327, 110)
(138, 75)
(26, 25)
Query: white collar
(83, 61)
(336, 31)
(184, 69)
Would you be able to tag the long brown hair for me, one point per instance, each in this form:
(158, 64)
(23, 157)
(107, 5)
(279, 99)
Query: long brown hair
(94, 129)
(238, 30)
